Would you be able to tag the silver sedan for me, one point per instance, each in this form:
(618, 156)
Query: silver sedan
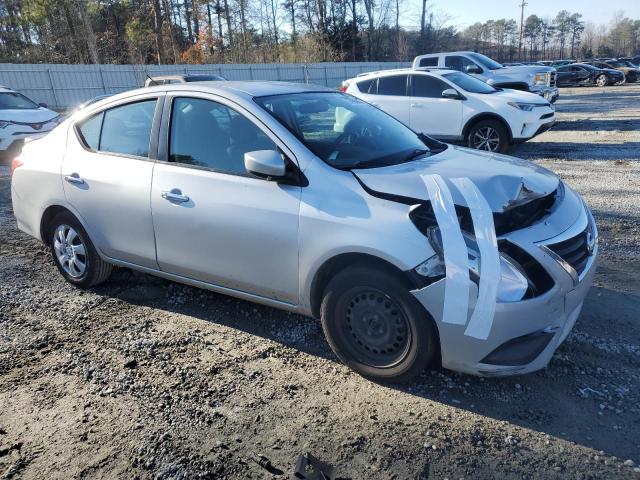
(409, 250)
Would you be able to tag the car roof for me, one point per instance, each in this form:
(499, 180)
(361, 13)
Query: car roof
(395, 71)
(246, 89)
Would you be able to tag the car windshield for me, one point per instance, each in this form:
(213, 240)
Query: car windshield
(469, 83)
(485, 61)
(16, 101)
(346, 132)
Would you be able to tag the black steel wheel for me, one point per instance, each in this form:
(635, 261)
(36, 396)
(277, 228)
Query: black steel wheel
(376, 326)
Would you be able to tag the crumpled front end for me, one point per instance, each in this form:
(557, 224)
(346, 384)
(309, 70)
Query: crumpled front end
(538, 300)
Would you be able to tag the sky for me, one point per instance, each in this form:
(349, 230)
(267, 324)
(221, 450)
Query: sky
(463, 13)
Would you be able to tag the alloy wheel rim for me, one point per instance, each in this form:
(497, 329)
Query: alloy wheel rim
(601, 81)
(70, 251)
(380, 334)
(486, 138)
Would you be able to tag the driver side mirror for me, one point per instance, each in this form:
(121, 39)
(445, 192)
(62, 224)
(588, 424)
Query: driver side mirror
(473, 69)
(265, 163)
(451, 93)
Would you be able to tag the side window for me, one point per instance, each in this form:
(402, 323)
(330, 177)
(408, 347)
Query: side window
(127, 129)
(367, 86)
(457, 62)
(208, 134)
(393, 85)
(428, 86)
(429, 62)
(89, 130)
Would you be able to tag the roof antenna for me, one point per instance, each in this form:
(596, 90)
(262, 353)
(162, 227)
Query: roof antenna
(150, 78)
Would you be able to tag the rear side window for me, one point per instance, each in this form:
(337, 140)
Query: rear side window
(427, 86)
(367, 86)
(90, 131)
(127, 129)
(429, 62)
(393, 85)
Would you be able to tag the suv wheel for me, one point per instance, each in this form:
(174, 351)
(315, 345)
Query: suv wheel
(74, 254)
(375, 326)
(601, 80)
(489, 135)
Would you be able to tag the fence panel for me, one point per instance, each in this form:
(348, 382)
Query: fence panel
(64, 86)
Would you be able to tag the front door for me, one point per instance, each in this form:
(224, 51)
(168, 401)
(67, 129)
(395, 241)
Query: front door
(107, 179)
(430, 112)
(213, 221)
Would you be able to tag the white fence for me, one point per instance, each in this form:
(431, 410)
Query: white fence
(62, 86)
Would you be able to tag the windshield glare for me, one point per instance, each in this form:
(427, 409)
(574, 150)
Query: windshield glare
(469, 83)
(346, 132)
(16, 101)
(485, 61)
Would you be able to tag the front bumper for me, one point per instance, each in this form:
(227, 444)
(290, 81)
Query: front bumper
(534, 123)
(12, 138)
(550, 94)
(551, 314)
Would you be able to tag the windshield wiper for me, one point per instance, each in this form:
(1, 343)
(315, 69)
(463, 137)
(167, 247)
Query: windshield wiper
(416, 153)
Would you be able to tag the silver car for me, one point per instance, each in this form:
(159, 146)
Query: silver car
(409, 250)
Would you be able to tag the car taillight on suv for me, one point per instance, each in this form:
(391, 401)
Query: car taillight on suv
(15, 163)
(344, 86)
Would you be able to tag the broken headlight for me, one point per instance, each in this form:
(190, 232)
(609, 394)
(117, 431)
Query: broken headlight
(513, 282)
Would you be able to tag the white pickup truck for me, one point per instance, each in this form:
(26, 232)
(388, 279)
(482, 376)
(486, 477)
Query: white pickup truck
(530, 78)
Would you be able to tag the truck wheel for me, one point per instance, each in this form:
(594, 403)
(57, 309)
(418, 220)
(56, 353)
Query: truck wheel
(489, 135)
(74, 253)
(601, 80)
(376, 326)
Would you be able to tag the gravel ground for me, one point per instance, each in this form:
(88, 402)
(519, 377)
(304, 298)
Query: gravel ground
(143, 378)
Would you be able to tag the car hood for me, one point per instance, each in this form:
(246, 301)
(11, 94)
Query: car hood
(36, 115)
(503, 180)
(510, 95)
(530, 69)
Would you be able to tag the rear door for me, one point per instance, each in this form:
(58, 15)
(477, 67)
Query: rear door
(107, 173)
(213, 221)
(390, 95)
(430, 113)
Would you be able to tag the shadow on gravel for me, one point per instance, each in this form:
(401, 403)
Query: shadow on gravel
(551, 401)
(596, 125)
(578, 151)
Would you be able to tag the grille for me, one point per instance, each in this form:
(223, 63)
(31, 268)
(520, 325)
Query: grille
(552, 79)
(575, 251)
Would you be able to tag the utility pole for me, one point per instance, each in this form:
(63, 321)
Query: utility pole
(522, 5)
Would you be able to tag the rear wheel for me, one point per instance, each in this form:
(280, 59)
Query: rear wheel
(375, 326)
(489, 135)
(74, 253)
(601, 80)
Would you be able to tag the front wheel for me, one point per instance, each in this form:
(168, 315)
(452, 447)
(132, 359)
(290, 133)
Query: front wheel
(489, 135)
(376, 327)
(74, 253)
(601, 80)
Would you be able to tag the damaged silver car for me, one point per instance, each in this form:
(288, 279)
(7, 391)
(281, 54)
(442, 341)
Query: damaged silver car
(409, 250)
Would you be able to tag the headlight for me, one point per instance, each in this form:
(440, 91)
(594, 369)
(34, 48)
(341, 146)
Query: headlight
(5, 123)
(540, 79)
(513, 283)
(526, 107)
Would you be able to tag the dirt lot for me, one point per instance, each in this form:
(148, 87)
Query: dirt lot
(143, 378)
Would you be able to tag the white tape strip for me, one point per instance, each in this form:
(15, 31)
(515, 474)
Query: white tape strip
(482, 217)
(456, 260)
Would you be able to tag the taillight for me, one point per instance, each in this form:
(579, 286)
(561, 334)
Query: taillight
(15, 163)
(343, 88)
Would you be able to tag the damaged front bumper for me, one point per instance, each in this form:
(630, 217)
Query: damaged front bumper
(524, 334)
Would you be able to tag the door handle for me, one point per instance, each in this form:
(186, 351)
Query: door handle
(74, 178)
(175, 195)
(417, 105)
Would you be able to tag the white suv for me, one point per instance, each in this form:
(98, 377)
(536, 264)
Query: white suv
(22, 118)
(454, 106)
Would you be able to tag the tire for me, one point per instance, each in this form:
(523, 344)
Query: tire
(376, 327)
(601, 81)
(71, 248)
(488, 135)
